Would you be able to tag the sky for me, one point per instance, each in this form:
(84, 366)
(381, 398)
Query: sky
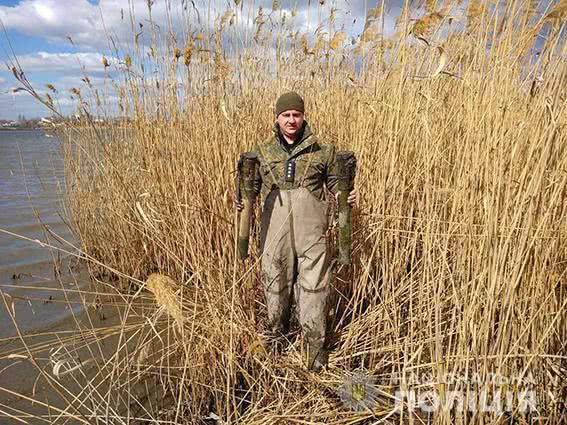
(59, 41)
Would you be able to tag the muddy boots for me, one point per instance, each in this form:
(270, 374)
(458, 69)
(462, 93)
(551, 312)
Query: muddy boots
(315, 354)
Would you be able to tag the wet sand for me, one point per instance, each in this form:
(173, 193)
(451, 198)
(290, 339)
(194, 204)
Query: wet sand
(48, 367)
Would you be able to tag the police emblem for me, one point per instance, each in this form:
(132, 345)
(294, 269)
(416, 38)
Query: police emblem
(359, 391)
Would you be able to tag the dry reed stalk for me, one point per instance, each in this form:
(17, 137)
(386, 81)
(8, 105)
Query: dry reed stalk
(460, 248)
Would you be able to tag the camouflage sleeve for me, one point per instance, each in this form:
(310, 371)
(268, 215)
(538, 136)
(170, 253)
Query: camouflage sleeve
(331, 179)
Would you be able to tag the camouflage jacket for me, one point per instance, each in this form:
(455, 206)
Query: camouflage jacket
(314, 164)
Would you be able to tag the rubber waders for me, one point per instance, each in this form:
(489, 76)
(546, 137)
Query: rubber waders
(346, 170)
(247, 169)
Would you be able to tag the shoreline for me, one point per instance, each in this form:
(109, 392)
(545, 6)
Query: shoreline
(21, 129)
(68, 355)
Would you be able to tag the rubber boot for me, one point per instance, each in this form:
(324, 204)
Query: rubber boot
(316, 355)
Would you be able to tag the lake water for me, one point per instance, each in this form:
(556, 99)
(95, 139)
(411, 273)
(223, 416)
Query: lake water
(33, 301)
(31, 206)
(31, 182)
(43, 301)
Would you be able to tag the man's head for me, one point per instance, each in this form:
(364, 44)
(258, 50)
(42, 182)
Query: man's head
(289, 114)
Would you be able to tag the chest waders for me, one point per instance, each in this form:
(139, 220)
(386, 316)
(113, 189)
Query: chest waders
(295, 256)
(295, 262)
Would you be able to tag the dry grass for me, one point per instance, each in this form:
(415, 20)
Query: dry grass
(460, 237)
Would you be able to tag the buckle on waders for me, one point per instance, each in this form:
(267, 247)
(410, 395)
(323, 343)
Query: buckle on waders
(289, 171)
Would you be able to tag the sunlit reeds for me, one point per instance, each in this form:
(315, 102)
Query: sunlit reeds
(460, 237)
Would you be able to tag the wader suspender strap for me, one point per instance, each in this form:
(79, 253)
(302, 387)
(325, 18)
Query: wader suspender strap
(304, 173)
(269, 168)
(307, 168)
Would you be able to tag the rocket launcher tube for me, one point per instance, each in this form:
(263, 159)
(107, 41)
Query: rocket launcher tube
(247, 169)
(346, 171)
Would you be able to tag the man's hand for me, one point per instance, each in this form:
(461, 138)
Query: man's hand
(238, 204)
(352, 199)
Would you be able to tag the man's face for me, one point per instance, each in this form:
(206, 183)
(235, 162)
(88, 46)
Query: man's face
(290, 122)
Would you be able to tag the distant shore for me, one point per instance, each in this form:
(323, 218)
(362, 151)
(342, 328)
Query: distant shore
(20, 129)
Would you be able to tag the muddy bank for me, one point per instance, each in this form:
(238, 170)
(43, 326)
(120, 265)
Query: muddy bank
(73, 369)
(64, 342)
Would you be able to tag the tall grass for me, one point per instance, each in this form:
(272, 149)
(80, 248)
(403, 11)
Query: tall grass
(459, 253)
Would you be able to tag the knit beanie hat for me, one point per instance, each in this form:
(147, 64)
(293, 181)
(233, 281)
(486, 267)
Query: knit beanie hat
(288, 101)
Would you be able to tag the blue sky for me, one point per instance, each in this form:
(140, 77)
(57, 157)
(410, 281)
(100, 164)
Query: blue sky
(38, 31)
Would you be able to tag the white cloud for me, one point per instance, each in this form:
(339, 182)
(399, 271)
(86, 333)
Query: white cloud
(63, 62)
(14, 104)
(54, 19)
(91, 25)
(74, 80)
(57, 19)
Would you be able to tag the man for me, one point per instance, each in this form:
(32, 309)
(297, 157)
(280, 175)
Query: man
(294, 168)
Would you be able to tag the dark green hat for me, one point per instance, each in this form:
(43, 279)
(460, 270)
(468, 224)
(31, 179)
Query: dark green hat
(289, 100)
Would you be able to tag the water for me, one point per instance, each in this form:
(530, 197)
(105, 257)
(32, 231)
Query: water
(52, 318)
(31, 204)
(31, 181)
(42, 299)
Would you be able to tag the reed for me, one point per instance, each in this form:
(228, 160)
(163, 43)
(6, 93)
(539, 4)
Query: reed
(459, 252)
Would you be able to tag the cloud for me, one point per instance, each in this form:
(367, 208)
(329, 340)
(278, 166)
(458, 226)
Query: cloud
(53, 19)
(2, 81)
(74, 80)
(61, 62)
(14, 104)
(90, 25)
(17, 103)
(85, 23)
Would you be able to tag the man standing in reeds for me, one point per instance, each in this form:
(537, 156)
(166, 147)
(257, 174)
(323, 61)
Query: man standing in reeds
(295, 166)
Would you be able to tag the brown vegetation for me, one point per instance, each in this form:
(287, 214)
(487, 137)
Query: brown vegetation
(459, 252)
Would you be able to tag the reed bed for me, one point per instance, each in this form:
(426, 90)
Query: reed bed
(458, 122)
